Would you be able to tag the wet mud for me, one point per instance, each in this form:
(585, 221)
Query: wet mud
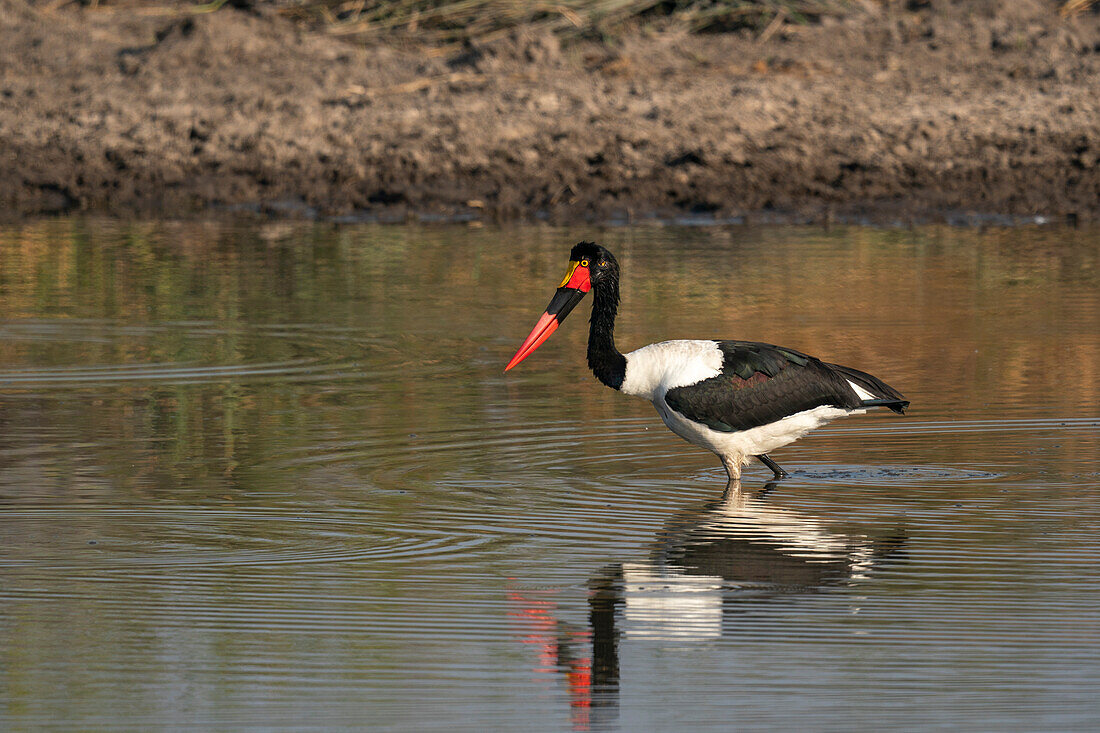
(904, 111)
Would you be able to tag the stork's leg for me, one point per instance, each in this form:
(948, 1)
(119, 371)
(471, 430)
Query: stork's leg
(733, 471)
(779, 472)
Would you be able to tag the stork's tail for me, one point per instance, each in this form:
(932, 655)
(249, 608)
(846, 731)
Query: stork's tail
(883, 395)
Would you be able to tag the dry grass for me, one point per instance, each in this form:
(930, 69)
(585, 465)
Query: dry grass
(445, 22)
(448, 21)
(1073, 7)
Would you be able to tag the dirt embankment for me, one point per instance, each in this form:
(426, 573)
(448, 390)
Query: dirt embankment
(968, 106)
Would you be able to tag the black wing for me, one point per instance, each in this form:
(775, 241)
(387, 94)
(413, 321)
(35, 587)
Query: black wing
(761, 383)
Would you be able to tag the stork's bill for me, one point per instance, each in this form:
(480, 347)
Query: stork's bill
(574, 286)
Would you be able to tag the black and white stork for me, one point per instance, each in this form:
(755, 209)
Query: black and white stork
(738, 399)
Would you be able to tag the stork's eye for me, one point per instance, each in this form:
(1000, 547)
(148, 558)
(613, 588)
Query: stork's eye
(584, 263)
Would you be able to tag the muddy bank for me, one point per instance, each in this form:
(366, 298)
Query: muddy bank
(974, 106)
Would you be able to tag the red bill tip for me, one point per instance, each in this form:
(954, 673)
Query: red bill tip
(547, 325)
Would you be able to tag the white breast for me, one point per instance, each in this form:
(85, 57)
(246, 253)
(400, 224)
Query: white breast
(653, 370)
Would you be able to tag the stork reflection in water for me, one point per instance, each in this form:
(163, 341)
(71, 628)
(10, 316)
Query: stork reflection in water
(705, 569)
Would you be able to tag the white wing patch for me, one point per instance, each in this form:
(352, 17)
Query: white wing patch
(861, 392)
(653, 370)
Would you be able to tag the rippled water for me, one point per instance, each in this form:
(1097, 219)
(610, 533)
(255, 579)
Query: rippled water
(273, 475)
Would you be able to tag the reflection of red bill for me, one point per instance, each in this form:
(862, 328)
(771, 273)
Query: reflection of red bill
(577, 282)
(556, 644)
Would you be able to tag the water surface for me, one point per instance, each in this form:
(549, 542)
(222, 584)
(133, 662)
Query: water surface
(273, 475)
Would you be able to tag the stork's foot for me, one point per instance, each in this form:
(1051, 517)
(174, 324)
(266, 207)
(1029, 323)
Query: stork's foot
(779, 472)
(768, 488)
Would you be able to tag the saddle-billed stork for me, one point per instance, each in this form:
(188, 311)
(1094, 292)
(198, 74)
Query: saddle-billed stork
(738, 399)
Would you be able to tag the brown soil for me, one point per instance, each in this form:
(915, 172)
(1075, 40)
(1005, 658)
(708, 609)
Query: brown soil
(984, 106)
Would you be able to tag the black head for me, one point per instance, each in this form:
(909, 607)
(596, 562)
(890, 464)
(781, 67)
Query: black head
(601, 263)
(591, 267)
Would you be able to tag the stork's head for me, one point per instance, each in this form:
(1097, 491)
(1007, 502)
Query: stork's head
(590, 265)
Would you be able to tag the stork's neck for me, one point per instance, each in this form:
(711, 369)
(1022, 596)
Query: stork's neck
(604, 359)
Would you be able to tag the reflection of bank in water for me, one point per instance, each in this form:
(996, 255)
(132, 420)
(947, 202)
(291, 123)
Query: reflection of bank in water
(706, 566)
